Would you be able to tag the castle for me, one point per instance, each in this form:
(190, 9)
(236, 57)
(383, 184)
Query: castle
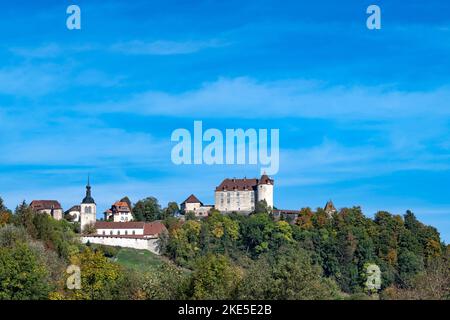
(242, 195)
(234, 195)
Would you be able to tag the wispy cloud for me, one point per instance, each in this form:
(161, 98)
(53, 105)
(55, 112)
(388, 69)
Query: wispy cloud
(164, 47)
(248, 98)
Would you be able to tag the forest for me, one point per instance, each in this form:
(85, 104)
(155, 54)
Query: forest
(230, 256)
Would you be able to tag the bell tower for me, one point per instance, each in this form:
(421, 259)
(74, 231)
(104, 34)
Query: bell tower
(88, 212)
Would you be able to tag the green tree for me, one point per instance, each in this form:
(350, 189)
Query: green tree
(147, 209)
(219, 233)
(184, 242)
(167, 282)
(214, 277)
(23, 274)
(288, 274)
(170, 211)
(100, 278)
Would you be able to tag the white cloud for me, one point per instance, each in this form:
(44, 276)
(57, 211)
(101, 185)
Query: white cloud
(247, 98)
(31, 81)
(163, 47)
(45, 51)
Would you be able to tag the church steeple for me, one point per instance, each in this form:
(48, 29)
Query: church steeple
(88, 198)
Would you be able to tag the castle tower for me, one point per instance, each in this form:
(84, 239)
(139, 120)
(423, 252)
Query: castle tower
(265, 190)
(88, 212)
(330, 209)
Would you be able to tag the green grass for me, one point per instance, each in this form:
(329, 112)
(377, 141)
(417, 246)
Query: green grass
(142, 260)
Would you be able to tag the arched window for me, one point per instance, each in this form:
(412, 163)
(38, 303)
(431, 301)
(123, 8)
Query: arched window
(111, 232)
(103, 232)
(118, 232)
(87, 210)
(126, 232)
(134, 232)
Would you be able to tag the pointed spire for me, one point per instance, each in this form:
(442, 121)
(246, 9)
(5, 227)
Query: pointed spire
(88, 198)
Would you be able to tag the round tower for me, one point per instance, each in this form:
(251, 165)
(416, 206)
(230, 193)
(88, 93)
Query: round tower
(88, 210)
(265, 190)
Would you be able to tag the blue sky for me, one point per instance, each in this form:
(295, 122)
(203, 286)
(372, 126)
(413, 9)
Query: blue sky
(364, 115)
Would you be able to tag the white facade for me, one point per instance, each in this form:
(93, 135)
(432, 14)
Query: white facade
(150, 244)
(265, 192)
(242, 195)
(88, 214)
(136, 235)
(239, 201)
(57, 214)
(123, 217)
(120, 232)
(192, 204)
(75, 214)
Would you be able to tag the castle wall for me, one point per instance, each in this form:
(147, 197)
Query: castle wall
(239, 201)
(135, 243)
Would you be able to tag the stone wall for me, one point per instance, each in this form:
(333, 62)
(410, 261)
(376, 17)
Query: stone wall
(150, 244)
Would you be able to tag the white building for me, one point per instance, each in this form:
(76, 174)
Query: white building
(88, 209)
(50, 207)
(242, 195)
(133, 234)
(119, 212)
(192, 204)
(74, 213)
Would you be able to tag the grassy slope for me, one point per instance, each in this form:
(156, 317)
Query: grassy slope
(138, 259)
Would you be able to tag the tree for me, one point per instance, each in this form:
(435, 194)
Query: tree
(23, 274)
(304, 219)
(214, 278)
(262, 207)
(432, 284)
(89, 229)
(288, 274)
(147, 209)
(184, 242)
(167, 282)
(170, 211)
(255, 233)
(24, 216)
(219, 233)
(5, 214)
(100, 278)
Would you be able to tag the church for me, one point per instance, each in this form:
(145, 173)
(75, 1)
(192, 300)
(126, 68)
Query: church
(86, 212)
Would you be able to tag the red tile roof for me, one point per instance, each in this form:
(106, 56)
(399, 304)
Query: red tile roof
(120, 204)
(192, 199)
(150, 228)
(45, 204)
(154, 228)
(243, 184)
